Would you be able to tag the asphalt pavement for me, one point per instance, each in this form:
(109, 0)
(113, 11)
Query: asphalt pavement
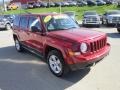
(26, 71)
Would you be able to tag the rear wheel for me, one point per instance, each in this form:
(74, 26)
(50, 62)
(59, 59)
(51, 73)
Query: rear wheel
(18, 46)
(56, 63)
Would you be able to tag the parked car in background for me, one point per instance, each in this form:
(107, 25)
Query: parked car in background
(12, 6)
(111, 17)
(110, 1)
(100, 2)
(43, 4)
(10, 18)
(57, 4)
(65, 3)
(5, 23)
(51, 4)
(72, 3)
(82, 3)
(91, 18)
(62, 4)
(30, 5)
(42, 34)
(91, 3)
(36, 5)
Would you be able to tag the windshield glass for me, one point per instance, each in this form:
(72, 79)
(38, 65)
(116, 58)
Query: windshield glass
(90, 13)
(113, 12)
(59, 22)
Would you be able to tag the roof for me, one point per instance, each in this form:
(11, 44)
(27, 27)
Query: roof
(42, 14)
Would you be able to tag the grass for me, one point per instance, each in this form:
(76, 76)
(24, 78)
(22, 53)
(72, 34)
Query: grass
(78, 10)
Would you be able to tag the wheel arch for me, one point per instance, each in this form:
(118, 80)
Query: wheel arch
(48, 48)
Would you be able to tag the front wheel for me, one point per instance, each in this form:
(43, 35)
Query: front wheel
(56, 63)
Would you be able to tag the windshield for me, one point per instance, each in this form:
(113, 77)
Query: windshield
(59, 22)
(113, 12)
(90, 13)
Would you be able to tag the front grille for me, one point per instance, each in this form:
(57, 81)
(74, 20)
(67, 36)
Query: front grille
(97, 45)
(116, 19)
(91, 20)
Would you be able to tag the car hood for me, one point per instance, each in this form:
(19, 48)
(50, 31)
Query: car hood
(91, 15)
(78, 35)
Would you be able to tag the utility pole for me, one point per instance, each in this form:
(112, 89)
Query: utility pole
(48, 3)
(4, 8)
(3, 5)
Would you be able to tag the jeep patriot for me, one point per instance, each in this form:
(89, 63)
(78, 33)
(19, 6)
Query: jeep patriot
(60, 41)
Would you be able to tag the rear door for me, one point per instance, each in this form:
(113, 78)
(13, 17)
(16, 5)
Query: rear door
(23, 30)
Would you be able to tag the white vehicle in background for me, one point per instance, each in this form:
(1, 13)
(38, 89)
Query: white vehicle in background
(111, 17)
(5, 22)
(91, 18)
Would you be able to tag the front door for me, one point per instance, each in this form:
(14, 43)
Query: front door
(35, 36)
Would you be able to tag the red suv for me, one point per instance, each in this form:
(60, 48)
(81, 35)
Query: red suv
(59, 39)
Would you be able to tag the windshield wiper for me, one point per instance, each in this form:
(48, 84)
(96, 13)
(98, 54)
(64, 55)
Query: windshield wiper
(71, 27)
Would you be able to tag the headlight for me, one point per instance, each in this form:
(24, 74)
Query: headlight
(83, 47)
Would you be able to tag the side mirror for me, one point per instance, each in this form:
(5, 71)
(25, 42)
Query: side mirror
(35, 29)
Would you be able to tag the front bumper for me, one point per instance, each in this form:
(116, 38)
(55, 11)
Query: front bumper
(88, 61)
(111, 22)
(91, 23)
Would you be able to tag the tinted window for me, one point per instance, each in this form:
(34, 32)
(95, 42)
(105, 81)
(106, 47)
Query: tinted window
(23, 22)
(16, 21)
(34, 21)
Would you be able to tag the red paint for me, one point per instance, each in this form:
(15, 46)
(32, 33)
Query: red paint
(67, 41)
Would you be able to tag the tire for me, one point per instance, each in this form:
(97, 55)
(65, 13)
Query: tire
(56, 63)
(8, 26)
(18, 46)
(118, 29)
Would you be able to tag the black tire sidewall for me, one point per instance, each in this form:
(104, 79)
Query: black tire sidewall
(58, 54)
(19, 44)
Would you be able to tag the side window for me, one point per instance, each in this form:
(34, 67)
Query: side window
(16, 21)
(23, 22)
(34, 21)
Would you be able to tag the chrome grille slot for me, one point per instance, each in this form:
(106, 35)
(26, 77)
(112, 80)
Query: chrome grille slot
(97, 45)
(116, 19)
(91, 19)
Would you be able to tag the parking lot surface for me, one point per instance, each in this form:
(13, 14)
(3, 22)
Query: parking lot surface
(25, 71)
